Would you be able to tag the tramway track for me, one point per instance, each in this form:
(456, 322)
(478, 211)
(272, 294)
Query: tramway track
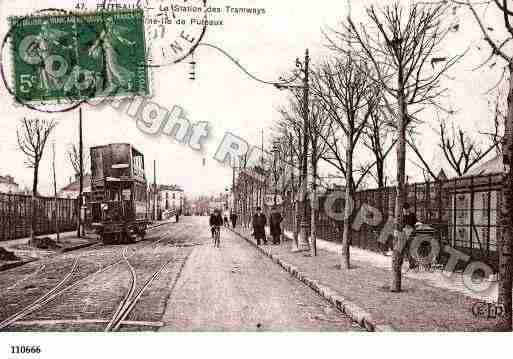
(125, 306)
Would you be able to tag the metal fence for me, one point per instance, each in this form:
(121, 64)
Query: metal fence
(463, 211)
(16, 214)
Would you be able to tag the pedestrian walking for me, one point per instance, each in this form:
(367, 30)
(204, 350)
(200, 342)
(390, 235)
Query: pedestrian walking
(233, 218)
(275, 220)
(259, 222)
(226, 214)
(177, 216)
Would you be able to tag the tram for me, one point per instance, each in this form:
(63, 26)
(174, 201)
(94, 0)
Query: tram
(119, 200)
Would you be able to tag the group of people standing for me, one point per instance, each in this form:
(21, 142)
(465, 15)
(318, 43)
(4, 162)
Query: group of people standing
(260, 221)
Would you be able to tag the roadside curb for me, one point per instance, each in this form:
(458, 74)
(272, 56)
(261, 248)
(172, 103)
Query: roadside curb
(359, 315)
(158, 225)
(79, 246)
(7, 266)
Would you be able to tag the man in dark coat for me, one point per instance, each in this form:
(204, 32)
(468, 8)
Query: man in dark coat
(233, 218)
(275, 225)
(259, 222)
(216, 220)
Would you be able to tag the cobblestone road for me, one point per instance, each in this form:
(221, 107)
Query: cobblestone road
(200, 288)
(237, 288)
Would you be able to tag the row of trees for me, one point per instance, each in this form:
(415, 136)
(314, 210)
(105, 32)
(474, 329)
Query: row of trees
(383, 73)
(32, 137)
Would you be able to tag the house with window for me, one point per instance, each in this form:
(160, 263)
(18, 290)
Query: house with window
(72, 189)
(171, 197)
(8, 185)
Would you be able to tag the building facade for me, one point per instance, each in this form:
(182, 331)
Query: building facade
(72, 189)
(171, 197)
(8, 185)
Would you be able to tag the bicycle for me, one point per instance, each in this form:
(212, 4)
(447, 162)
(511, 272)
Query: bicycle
(217, 236)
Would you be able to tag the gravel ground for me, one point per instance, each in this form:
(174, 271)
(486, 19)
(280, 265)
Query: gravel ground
(420, 307)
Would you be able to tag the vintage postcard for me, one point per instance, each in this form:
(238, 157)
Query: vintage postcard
(255, 167)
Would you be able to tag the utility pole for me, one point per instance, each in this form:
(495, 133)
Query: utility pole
(56, 213)
(505, 244)
(233, 187)
(155, 190)
(81, 174)
(303, 240)
(260, 201)
(293, 198)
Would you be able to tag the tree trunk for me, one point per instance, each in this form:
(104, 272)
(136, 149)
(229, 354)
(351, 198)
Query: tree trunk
(397, 258)
(380, 172)
(313, 206)
(505, 241)
(36, 178)
(295, 224)
(346, 236)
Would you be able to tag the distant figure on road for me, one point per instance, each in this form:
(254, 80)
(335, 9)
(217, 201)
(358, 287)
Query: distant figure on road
(177, 216)
(233, 218)
(275, 220)
(216, 220)
(259, 222)
(225, 218)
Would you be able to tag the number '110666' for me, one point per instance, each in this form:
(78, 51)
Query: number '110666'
(25, 349)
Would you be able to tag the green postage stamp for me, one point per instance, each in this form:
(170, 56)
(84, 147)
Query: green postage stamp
(79, 56)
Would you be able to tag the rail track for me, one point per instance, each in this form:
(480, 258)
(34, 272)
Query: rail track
(131, 298)
(41, 300)
(60, 288)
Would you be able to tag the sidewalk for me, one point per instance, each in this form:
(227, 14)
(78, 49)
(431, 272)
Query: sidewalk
(426, 304)
(435, 278)
(68, 241)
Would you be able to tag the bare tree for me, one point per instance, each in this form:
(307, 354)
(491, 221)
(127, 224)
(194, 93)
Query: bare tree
(243, 189)
(32, 135)
(349, 97)
(496, 132)
(318, 129)
(290, 129)
(73, 154)
(318, 126)
(500, 50)
(379, 140)
(461, 151)
(403, 45)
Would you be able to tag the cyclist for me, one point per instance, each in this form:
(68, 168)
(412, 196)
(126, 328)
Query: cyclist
(216, 221)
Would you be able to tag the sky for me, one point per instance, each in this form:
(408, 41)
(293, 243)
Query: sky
(267, 46)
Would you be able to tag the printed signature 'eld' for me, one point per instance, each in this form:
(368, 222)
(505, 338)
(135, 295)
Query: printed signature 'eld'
(485, 310)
